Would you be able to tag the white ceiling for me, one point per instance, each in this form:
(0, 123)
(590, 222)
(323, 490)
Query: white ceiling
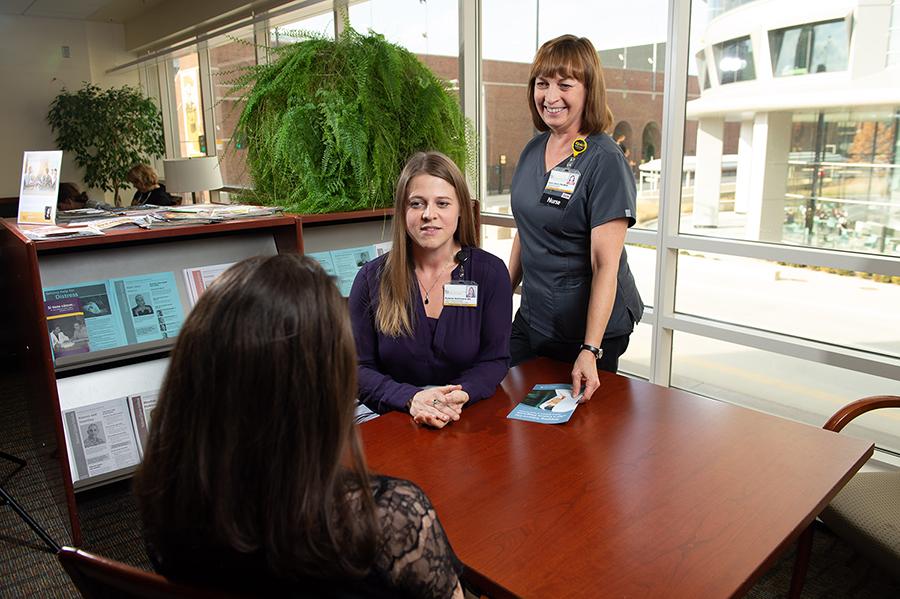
(110, 11)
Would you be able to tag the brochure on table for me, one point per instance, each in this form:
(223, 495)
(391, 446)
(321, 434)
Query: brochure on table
(343, 264)
(106, 418)
(547, 404)
(120, 312)
(39, 187)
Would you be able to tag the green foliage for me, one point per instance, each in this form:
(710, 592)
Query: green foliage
(108, 131)
(329, 124)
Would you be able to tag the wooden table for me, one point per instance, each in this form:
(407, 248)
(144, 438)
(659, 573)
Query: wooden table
(645, 492)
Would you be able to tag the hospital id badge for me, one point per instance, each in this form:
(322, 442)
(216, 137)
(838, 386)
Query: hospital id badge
(560, 186)
(563, 180)
(461, 293)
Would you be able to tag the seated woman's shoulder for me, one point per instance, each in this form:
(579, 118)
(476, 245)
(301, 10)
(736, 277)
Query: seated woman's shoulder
(492, 262)
(398, 494)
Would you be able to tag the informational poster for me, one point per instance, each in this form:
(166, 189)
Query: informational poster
(343, 264)
(39, 188)
(120, 312)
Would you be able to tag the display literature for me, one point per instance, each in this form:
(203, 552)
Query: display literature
(547, 404)
(101, 439)
(65, 323)
(345, 263)
(126, 311)
(108, 436)
(141, 407)
(199, 278)
(40, 185)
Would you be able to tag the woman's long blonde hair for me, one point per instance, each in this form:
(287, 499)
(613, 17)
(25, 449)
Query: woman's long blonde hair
(394, 316)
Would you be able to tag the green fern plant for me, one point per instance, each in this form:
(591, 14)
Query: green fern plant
(329, 124)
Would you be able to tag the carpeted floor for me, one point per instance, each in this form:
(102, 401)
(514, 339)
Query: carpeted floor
(110, 526)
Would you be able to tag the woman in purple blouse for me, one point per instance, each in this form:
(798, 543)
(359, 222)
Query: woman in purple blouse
(425, 345)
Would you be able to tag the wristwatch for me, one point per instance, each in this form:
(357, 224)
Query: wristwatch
(597, 351)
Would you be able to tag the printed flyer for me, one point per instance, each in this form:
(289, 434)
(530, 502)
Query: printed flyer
(345, 263)
(547, 404)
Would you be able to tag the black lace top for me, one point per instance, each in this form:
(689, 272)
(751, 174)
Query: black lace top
(415, 557)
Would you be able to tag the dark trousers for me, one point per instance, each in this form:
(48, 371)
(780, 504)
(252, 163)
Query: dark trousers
(526, 343)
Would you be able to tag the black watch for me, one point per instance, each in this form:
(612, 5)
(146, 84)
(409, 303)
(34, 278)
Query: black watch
(597, 351)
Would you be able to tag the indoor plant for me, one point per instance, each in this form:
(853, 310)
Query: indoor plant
(107, 131)
(329, 124)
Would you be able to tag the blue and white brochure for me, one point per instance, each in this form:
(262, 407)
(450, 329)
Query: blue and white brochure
(547, 404)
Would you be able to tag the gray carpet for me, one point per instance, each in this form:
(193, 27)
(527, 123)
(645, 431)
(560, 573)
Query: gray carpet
(110, 526)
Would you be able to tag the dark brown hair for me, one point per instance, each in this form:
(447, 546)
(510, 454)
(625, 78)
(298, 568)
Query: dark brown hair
(253, 440)
(575, 57)
(68, 192)
(394, 315)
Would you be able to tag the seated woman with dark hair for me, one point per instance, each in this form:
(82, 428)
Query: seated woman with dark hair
(254, 478)
(70, 198)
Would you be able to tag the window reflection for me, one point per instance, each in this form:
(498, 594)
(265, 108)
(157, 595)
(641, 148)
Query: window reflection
(734, 60)
(810, 48)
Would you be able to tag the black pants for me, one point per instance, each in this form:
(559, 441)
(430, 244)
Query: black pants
(526, 343)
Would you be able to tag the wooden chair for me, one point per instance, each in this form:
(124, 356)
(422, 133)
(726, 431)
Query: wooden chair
(866, 512)
(101, 578)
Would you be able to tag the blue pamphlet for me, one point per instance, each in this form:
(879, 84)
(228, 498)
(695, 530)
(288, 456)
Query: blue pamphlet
(547, 404)
(343, 264)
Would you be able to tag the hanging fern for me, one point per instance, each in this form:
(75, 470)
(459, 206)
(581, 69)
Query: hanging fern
(329, 124)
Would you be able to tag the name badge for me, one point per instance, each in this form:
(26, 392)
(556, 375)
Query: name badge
(461, 293)
(562, 180)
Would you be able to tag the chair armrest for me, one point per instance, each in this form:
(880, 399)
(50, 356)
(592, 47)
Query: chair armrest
(859, 407)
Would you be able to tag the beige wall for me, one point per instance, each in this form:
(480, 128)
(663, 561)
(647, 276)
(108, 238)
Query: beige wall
(33, 72)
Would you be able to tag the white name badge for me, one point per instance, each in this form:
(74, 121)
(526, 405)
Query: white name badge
(563, 180)
(461, 293)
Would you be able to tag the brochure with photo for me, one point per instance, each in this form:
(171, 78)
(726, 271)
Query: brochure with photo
(343, 264)
(121, 312)
(547, 404)
(40, 184)
(101, 439)
(142, 406)
(66, 326)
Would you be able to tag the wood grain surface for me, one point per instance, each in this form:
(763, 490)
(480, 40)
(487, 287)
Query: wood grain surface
(645, 492)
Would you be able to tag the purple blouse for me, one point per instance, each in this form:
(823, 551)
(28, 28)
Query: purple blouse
(466, 346)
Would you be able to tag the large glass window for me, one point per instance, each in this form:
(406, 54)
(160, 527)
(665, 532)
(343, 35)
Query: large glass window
(185, 96)
(810, 48)
(228, 59)
(734, 60)
(633, 61)
(774, 161)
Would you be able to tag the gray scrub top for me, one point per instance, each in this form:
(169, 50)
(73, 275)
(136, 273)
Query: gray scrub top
(555, 241)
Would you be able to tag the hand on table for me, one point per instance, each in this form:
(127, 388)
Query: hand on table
(437, 406)
(584, 375)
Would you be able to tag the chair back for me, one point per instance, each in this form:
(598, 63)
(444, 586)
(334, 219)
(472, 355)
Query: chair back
(101, 578)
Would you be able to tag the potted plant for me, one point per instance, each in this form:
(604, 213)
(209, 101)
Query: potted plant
(330, 123)
(108, 132)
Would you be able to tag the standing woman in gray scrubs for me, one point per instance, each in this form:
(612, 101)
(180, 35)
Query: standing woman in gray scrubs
(573, 198)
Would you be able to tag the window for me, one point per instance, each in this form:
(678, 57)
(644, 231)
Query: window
(811, 48)
(184, 90)
(228, 57)
(734, 60)
(702, 72)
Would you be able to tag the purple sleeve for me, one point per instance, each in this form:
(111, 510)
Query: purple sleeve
(481, 379)
(378, 391)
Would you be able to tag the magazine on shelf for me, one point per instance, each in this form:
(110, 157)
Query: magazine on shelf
(199, 278)
(126, 311)
(141, 407)
(66, 326)
(343, 264)
(547, 404)
(101, 439)
(52, 232)
(108, 436)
